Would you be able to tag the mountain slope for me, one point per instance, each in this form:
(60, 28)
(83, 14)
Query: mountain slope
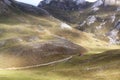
(66, 10)
(96, 18)
(27, 39)
(105, 20)
(30, 39)
(103, 66)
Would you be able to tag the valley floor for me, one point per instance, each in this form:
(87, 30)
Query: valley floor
(103, 66)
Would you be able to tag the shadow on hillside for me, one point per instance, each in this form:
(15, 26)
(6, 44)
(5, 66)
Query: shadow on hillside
(8, 20)
(98, 59)
(90, 66)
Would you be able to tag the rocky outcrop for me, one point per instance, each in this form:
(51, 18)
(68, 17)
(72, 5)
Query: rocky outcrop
(65, 26)
(4, 9)
(66, 10)
(98, 3)
(64, 4)
(114, 35)
(103, 27)
(91, 20)
(106, 3)
(111, 2)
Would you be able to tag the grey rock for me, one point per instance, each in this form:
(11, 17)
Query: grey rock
(91, 20)
(64, 4)
(2, 43)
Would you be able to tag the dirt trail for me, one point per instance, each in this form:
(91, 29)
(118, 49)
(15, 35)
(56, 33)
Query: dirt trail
(35, 66)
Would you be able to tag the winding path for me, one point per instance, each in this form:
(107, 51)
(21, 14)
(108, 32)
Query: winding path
(35, 66)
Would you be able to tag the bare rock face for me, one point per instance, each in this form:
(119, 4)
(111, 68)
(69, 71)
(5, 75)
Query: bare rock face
(112, 2)
(64, 4)
(106, 3)
(66, 10)
(8, 2)
(103, 27)
(98, 3)
(114, 37)
(4, 9)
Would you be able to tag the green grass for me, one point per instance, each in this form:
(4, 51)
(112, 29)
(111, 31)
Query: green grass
(32, 27)
(94, 65)
(104, 66)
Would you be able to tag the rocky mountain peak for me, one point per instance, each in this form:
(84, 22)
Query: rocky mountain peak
(76, 1)
(98, 3)
(64, 4)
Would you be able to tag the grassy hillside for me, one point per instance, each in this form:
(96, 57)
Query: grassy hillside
(103, 66)
(27, 39)
(26, 36)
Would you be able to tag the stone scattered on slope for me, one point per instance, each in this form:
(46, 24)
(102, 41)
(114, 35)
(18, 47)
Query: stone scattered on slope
(97, 3)
(65, 26)
(91, 20)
